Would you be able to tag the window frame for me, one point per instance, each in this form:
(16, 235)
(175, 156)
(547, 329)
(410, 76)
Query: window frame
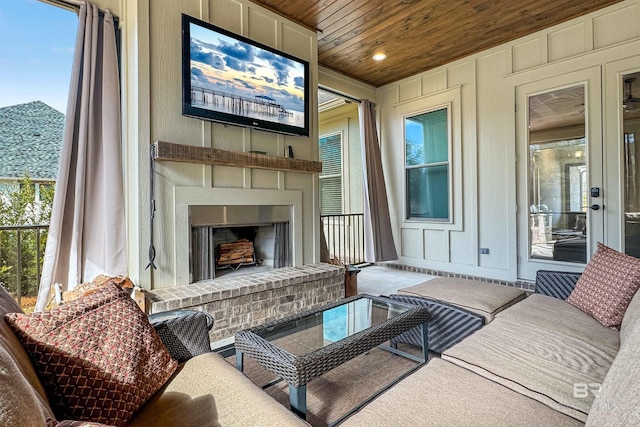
(425, 166)
(343, 185)
(451, 96)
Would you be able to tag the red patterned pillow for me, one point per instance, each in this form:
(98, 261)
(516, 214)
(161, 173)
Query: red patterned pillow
(607, 285)
(98, 357)
(70, 423)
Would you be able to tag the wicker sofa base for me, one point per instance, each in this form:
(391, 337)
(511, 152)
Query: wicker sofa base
(448, 324)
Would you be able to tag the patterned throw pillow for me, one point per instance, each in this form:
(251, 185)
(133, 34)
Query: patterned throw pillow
(607, 285)
(69, 423)
(98, 357)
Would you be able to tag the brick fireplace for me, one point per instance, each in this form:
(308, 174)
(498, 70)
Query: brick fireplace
(241, 302)
(227, 207)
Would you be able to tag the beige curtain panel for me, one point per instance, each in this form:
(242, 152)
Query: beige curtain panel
(378, 239)
(87, 230)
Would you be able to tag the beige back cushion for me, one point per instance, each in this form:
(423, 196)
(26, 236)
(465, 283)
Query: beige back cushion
(23, 401)
(617, 403)
(631, 318)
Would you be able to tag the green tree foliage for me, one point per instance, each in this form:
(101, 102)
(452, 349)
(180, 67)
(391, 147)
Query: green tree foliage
(414, 152)
(19, 206)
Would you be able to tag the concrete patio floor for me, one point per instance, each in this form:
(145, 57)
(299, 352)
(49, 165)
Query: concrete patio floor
(380, 280)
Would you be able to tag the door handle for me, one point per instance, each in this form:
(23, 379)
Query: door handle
(596, 207)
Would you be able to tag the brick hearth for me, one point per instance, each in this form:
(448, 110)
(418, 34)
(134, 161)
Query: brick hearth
(241, 302)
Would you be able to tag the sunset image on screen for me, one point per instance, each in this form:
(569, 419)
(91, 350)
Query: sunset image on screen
(233, 77)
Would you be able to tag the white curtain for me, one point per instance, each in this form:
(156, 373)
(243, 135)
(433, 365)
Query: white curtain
(87, 230)
(378, 239)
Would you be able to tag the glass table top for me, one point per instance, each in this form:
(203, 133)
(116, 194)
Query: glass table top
(322, 328)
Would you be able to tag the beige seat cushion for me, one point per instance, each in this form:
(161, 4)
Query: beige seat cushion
(485, 299)
(442, 394)
(208, 391)
(542, 347)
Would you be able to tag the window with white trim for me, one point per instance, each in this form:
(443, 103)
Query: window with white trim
(331, 175)
(427, 166)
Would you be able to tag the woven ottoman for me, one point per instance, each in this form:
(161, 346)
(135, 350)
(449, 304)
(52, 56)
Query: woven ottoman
(457, 308)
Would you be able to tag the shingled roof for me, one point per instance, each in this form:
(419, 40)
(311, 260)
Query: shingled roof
(30, 141)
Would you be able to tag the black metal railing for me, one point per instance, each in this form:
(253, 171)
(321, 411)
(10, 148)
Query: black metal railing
(21, 252)
(345, 237)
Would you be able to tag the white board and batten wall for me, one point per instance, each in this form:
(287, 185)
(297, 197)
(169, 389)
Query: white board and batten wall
(484, 143)
(152, 55)
(481, 87)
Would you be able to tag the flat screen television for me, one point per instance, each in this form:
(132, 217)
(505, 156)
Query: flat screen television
(230, 79)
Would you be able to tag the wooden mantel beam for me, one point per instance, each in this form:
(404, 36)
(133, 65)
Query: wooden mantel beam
(169, 151)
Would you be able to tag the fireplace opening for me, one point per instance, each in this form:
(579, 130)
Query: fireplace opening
(236, 245)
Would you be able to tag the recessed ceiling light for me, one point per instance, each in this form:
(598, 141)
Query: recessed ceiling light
(379, 56)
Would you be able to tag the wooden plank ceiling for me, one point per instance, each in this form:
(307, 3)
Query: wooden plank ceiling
(418, 35)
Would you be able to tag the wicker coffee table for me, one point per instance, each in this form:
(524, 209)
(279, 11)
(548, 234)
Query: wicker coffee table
(302, 347)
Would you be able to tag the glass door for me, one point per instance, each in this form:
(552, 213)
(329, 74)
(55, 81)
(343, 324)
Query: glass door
(560, 172)
(558, 175)
(622, 154)
(631, 162)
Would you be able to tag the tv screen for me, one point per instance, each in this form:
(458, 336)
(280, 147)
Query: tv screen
(230, 79)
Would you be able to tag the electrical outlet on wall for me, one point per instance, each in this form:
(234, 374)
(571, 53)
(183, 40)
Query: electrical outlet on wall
(484, 251)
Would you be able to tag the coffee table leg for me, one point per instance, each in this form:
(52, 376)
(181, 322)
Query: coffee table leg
(298, 400)
(239, 360)
(425, 342)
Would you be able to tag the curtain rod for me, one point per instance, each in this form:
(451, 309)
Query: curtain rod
(73, 5)
(342, 95)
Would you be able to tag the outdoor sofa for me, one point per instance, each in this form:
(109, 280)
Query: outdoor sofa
(540, 362)
(202, 391)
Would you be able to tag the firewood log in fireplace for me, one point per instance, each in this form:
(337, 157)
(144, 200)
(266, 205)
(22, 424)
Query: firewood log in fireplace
(238, 252)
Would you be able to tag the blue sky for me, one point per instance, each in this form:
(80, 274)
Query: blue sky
(36, 52)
